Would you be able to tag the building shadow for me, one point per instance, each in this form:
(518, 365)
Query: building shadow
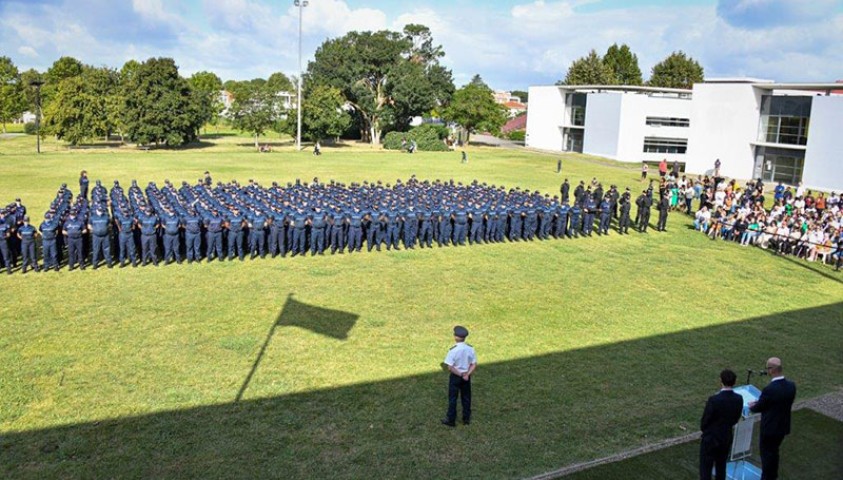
(531, 415)
(324, 321)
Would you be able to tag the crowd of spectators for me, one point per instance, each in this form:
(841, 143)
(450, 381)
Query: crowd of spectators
(795, 221)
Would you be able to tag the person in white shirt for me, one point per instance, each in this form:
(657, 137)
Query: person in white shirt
(461, 362)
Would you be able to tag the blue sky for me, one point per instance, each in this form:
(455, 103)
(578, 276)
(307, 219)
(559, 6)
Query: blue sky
(511, 44)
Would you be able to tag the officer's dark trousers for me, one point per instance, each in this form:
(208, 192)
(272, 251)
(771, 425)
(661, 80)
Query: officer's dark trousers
(74, 252)
(235, 244)
(476, 231)
(277, 241)
(459, 234)
(515, 230)
(355, 238)
(299, 241)
(573, 227)
(444, 233)
(462, 388)
(28, 252)
(605, 220)
(49, 251)
(336, 238)
(192, 246)
(561, 225)
(148, 245)
(4, 253)
(371, 237)
(258, 243)
(317, 241)
(171, 247)
(491, 229)
(101, 246)
(623, 224)
(426, 235)
(127, 248)
(645, 220)
(392, 236)
(713, 457)
(501, 230)
(769, 447)
(662, 221)
(587, 224)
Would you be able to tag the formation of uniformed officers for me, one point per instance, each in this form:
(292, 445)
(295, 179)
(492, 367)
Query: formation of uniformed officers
(229, 220)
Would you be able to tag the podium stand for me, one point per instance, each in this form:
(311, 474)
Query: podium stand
(739, 467)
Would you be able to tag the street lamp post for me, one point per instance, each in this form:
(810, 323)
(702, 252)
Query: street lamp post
(301, 4)
(37, 84)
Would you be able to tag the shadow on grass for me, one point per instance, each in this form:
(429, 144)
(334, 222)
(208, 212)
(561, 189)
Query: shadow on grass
(531, 415)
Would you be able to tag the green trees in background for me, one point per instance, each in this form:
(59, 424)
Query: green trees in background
(589, 70)
(257, 107)
(12, 96)
(677, 71)
(207, 86)
(474, 108)
(323, 114)
(386, 77)
(624, 65)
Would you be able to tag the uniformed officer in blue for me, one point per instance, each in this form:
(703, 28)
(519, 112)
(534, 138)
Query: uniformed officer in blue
(26, 235)
(192, 236)
(461, 362)
(5, 233)
(172, 228)
(126, 239)
(148, 228)
(73, 229)
(49, 247)
(100, 239)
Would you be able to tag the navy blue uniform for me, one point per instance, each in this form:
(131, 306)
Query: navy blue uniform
(74, 228)
(172, 226)
(27, 246)
(460, 226)
(277, 236)
(477, 231)
(337, 235)
(235, 237)
(100, 239)
(148, 228)
(355, 231)
(319, 221)
(574, 225)
(605, 216)
(49, 247)
(299, 243)
(562, 220)
(192, 237)
(257, 235)
(214, 225)
(589, 209)
(5, 232)
(126, 240)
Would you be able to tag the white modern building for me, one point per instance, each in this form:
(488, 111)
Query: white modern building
(757, 128)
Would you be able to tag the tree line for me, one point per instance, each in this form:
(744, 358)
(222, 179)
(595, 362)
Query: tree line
(619, 66)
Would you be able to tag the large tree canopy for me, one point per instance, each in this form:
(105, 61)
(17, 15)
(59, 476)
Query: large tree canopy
(206, 86)
(474, 108)
(159, 105)
(589, 70)
(257, 108)
(677, 71)
(12, 92)
(624, 65)
(79, 109)
(387, 77)
(323, 114)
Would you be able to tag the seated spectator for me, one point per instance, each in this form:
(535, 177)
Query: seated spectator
(701, 219)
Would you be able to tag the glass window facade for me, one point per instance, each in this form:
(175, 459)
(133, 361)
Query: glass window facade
(781, 164)
(577, 102)
(668, 122)
(785, 119)
(665, 145)
(573, 140)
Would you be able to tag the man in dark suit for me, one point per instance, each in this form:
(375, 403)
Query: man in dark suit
(774, 404)
(722, 412)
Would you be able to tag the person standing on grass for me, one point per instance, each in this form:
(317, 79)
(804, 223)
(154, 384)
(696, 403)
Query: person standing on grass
(663, 168)
(774, 405)
(83, 184)
(722, 412)
(461, 361)
(644, 169)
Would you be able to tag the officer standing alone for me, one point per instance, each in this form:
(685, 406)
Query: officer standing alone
(461, 362)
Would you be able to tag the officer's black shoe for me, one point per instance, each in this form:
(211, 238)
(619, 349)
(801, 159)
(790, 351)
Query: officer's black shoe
(466, 422)
(95, 267)
(57, 268)
(448, 423)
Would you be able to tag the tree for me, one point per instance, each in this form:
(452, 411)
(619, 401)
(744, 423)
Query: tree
(27, 78)
(323, 115)
(386, 77)
(64, 67)
(206, 86)
(256, 108)
(278, 82)
(624, 65)
(474, 108)
(676, 71)
(522, 94)
(589, 70)
(12, 96)
(478, 81)
(79, 109)
(158, 105)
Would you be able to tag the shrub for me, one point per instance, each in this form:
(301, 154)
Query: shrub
(517, 135)
(29, 128)
(429, 138)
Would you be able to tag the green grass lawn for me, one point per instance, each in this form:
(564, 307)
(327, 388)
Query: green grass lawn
(811, 451)
(586, 347)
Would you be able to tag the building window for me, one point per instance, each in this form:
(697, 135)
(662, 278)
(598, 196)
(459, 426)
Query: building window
(576, 102)
(573, 139)
(665, 145)
(781, 164)
(668, 122)
(785, 119)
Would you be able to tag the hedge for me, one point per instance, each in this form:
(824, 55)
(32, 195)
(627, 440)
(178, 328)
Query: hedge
(429, 138)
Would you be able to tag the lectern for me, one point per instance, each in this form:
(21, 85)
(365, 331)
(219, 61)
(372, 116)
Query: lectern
(739, 467)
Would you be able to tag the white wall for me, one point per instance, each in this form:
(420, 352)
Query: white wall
(824, 156)
(724, 124)
(602, 124)
(545, 116)
(633, 126)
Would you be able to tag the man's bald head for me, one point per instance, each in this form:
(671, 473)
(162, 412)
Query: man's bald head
(774, 366)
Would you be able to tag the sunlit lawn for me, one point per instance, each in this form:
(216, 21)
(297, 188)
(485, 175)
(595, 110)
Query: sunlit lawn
(587, 347)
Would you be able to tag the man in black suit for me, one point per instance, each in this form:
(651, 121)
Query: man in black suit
(722, 412)
(774, 404)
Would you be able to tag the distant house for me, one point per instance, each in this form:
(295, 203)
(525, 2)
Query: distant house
(515, 124)
(503, 97)
(515, 108)
(226, 98)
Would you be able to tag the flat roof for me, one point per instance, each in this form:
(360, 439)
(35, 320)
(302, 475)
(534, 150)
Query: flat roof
(799, 86)
(625, 88)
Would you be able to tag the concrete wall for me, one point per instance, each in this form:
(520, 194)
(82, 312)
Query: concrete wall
(724, 125)
(602, 124)
(633, 126)
(824, 156)
(545, 118)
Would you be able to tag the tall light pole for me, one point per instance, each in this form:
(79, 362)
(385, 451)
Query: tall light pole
(37, 84)
(301, 4)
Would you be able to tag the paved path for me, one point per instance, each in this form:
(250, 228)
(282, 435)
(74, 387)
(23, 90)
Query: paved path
(492, 141)
(830, 405)
(4, 136)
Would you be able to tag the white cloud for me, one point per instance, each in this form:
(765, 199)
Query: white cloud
(27, 51)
